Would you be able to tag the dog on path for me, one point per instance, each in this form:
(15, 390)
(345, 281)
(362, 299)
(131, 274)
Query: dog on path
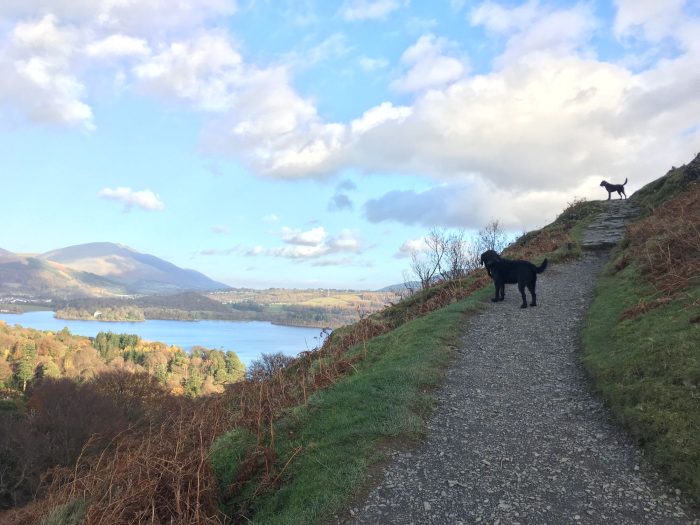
(505, 271)
(619, 188)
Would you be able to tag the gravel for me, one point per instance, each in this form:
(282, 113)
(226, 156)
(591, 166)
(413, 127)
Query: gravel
(517, 435)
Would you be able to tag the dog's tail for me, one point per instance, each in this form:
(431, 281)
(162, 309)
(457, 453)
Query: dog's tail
(625, 181)
(541, 267)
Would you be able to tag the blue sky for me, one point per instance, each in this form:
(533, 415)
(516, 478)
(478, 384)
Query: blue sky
(313, 143)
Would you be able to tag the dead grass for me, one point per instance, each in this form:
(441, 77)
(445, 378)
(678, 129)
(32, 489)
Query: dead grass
(666, 248)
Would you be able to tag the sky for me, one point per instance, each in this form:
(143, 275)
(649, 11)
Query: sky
(313, 143)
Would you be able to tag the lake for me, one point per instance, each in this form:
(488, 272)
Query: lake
(248, 339)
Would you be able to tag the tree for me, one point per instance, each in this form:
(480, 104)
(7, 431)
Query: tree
(492, 237)
(268, 366)
(25, 367)
(5, 371)
(427, 265)
(49, 369)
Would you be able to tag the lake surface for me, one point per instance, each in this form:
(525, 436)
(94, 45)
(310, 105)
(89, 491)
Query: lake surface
(248, 339)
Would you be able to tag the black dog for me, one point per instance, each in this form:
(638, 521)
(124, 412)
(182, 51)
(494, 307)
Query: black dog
(504, 271)
(619, 188)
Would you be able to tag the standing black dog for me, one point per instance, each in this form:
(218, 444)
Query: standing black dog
(619, 188)
(504, 271)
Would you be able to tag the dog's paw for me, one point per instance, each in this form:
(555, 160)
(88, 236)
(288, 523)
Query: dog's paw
(523, 306)
(495, 300)
(533, 304)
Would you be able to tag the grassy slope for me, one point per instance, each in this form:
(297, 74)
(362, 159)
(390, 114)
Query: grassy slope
(338, 436)
(647, 365)
(648, 369)
(341, 428)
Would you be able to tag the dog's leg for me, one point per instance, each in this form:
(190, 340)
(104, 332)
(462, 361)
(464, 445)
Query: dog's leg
(609, 194)
(496, 285)
(503, 291)
(531, 287)
(521, 288)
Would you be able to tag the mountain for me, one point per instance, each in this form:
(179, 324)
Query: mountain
(136, 272)
(35, 278)
(95, 270)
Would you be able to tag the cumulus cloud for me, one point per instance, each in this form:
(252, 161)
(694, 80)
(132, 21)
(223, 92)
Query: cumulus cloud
(311, 244)
(36, 78)
(51, 44)
(647, 19)
(547, 117)
(202, 70)
(368, 9)
(473, 205)
(428, 66)
(411, 246)
(143, 199)
(145, 17)
(312, 237)
(118, 45)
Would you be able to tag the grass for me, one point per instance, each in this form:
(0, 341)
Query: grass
(663, 189)
(335, 439)
(647, 368)
(68, 514)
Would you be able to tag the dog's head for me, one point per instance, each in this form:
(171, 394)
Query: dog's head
(489, 257)
(604, 183)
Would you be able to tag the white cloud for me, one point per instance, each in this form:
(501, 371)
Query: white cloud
(311, 244)
(368, 9)
(51, 46)
(428, 66)
(473, 205)
(532, 28)
(649, 19)
(118, 45)
(36, 79)
(498, 19)
(548, 117)
(145, 17)
(204, 71)
(144, 199)
(312, 237)
(272, 217)
(411, 246)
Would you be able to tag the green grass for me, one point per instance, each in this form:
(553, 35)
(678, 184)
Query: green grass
(670, 185)
(648, 370)
(342, 428)
(68, 514)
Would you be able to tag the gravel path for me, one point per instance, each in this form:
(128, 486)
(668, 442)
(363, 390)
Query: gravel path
(517, 435)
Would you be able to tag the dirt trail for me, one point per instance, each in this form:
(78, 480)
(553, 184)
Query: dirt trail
(517, 435)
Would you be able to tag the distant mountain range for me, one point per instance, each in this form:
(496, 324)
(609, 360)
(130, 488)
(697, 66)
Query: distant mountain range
(99, 269)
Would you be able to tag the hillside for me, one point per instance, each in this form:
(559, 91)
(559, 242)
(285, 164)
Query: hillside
(95, 270)
(32, 277)
(137, 272)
